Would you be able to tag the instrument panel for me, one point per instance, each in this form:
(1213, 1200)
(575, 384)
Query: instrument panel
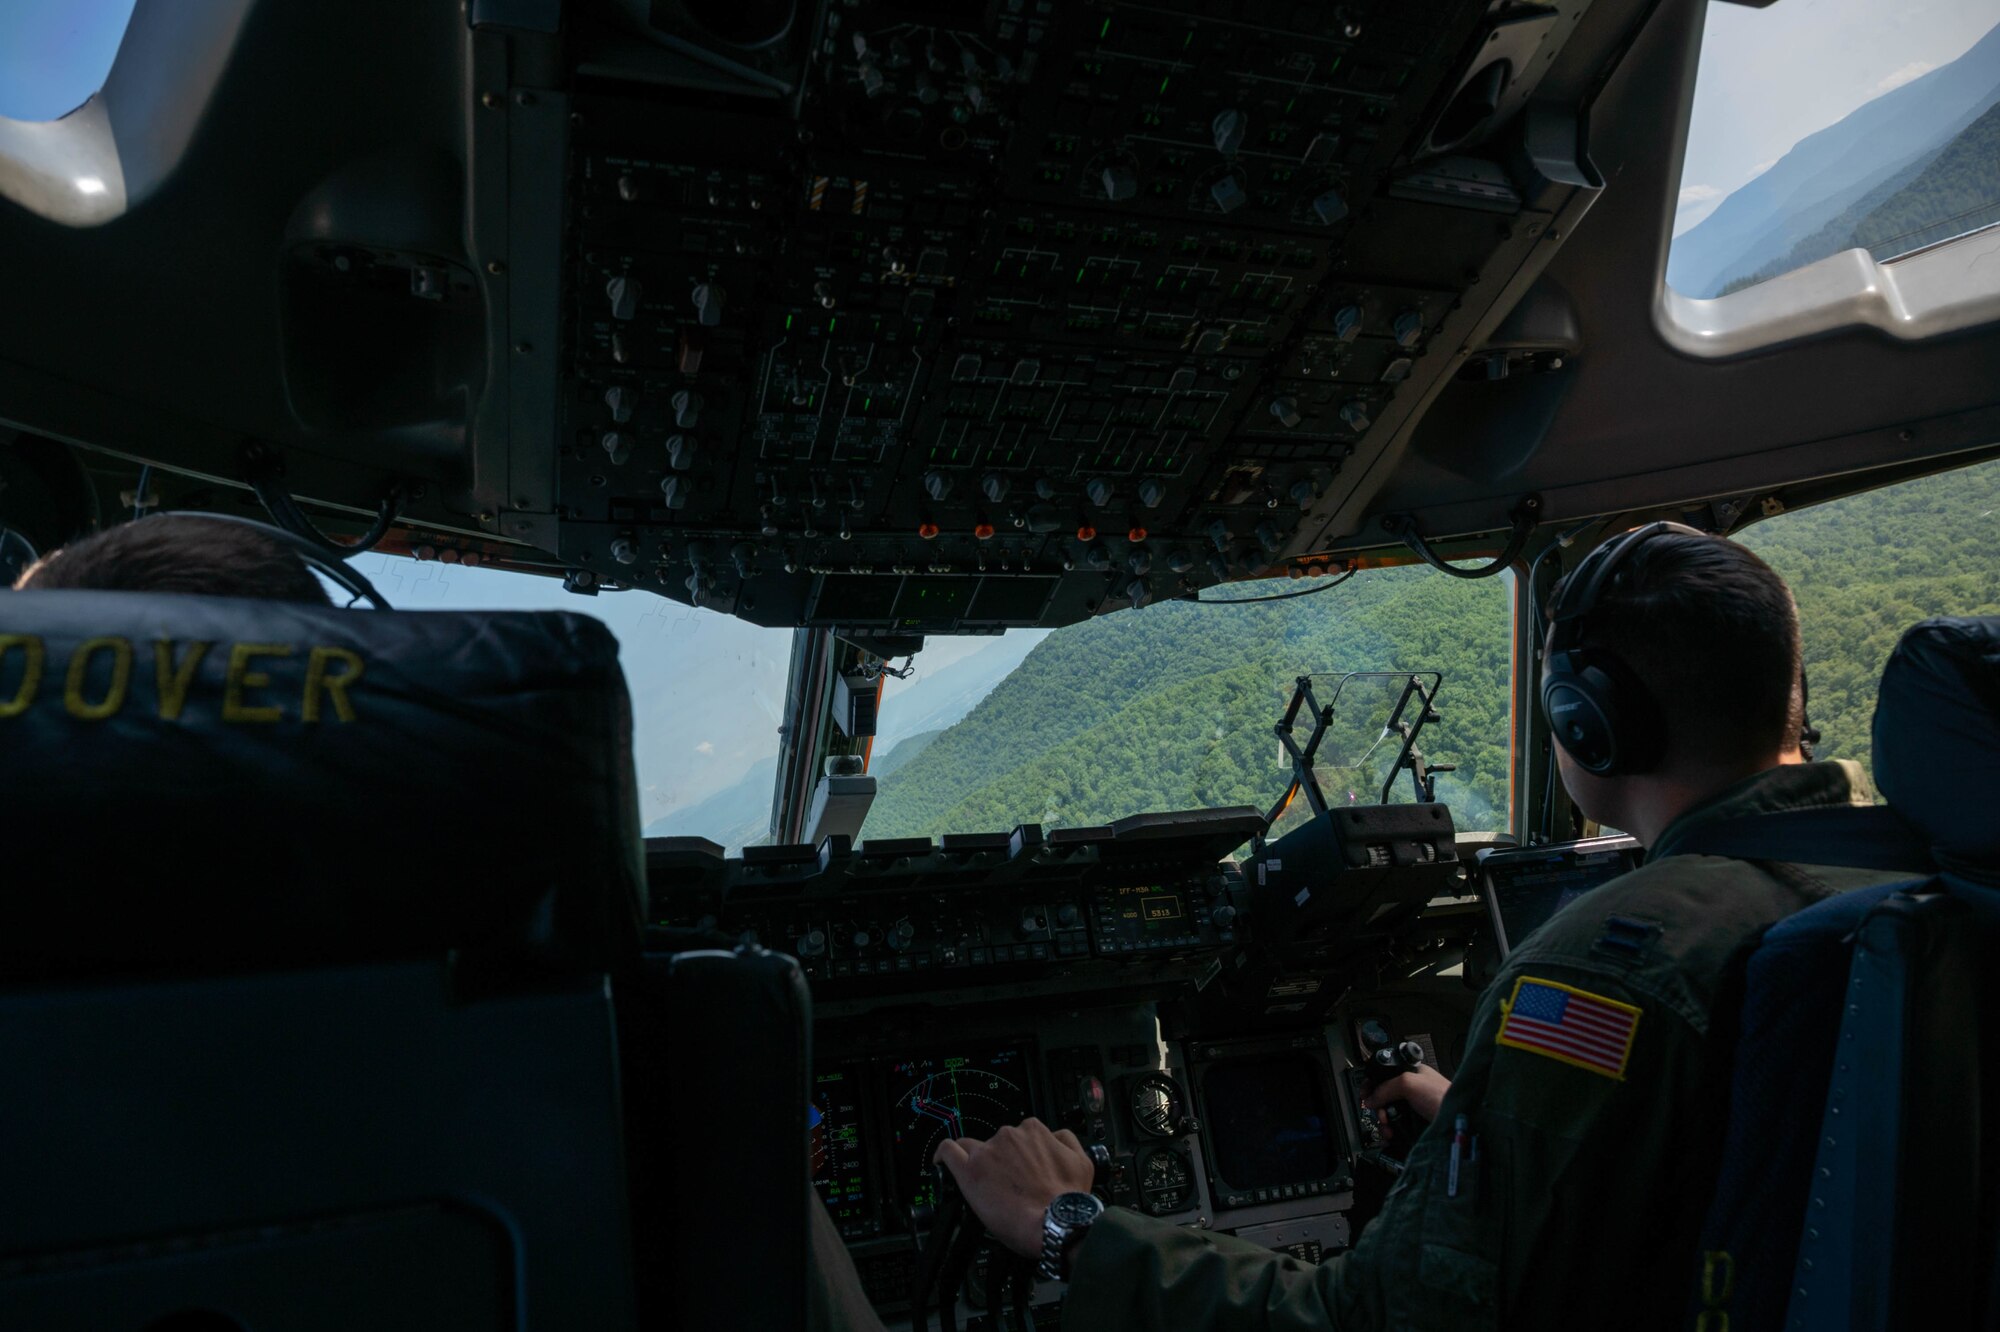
(1143, 902)
(1111, 981)
(1007, 313)
(887, 1098)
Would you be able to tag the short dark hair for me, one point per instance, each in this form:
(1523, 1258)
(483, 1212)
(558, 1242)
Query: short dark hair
(180, 553)
(1713, 634)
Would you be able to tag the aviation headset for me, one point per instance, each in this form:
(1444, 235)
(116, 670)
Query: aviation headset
(316, 557)
(1597, 707)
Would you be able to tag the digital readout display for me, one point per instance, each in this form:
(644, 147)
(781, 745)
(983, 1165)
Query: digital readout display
(1153, 909)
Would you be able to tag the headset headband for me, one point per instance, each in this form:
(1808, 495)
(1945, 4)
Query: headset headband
(336, 571)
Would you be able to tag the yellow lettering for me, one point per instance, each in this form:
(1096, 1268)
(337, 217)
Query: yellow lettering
(175, 679)
(79, 666)
(1718, 1279)
(336, 685)
(241, 678)
(31, 671)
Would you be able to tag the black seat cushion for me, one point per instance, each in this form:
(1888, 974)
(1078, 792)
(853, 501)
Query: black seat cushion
(202, 782)
(1937, 736)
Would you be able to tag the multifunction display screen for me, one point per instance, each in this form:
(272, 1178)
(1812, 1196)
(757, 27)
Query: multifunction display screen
(839, 1152)
(1269, 1122)
(950, 1096)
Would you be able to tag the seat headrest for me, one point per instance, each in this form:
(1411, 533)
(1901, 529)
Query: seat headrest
(1937, 736)
(198, 781)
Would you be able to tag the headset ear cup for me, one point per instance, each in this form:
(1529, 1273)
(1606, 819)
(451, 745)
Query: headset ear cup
(1600, 713)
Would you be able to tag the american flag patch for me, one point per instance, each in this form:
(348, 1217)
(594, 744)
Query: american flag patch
(1572, 1025)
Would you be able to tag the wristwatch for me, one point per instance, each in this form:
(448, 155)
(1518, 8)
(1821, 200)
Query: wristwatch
(1065, 1223)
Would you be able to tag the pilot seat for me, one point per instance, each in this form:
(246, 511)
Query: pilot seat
(305, 1017)
(1859, 1186)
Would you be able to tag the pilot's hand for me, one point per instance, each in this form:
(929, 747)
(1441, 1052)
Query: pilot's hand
(1421, 1090)
(1010, 1179)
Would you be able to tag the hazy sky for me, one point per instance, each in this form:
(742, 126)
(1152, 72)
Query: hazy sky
(54, 53)
(707, 689)
(1769, 77)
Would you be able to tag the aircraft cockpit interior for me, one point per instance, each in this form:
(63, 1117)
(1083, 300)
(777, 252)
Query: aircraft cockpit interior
(882, 574)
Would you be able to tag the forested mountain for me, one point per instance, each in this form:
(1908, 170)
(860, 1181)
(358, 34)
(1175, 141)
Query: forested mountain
(1171, 707)
(1868, 567)
(1868, 155)
(902, 752)
(1956, 191)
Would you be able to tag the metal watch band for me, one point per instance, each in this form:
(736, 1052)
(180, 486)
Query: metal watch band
(1054, 1233)
(1059, 1238)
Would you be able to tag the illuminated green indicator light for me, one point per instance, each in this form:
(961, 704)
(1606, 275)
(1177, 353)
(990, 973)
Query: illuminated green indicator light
(1188, 40)
(866, 403)
(830, 325)
(788, 323)
(1163, 84)
(1079, 275)
(1103, 30)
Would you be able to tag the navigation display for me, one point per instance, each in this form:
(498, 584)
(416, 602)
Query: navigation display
(950, 1096)
(839, 1154)
(1270, 1123)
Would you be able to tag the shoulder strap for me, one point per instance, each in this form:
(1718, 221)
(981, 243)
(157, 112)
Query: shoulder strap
(1850, 836)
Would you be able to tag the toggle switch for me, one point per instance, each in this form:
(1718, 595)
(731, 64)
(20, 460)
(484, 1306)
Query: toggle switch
(624, 291)
(708, 298)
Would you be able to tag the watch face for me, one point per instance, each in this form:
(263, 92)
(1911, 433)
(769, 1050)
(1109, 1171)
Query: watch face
(1076, 1209)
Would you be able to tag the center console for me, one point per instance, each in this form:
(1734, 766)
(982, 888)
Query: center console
(1119, 982)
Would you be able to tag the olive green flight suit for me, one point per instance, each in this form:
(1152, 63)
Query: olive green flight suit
(1584, 1207)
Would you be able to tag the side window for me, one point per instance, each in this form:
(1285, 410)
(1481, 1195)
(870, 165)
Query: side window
(1835, 126)
(1866, 568)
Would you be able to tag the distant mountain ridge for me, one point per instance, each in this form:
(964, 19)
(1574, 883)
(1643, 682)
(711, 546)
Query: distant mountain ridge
(903, 751)
(737, 815)
(1885, 142)
(1955, 191)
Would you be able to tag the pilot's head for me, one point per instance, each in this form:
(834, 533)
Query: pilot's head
(179, 553)
(1710, 635)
